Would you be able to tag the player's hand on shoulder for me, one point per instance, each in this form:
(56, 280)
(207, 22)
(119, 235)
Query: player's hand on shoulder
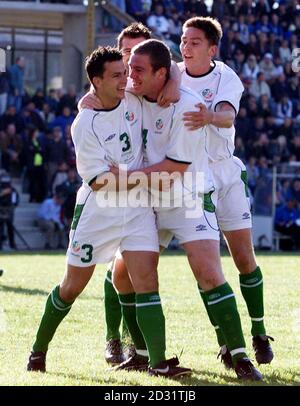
(168, 95)
(89, 101)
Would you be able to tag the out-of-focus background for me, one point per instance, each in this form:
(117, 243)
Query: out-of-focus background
(43, 46)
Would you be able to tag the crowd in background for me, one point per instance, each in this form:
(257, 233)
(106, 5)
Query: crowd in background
(258, 41)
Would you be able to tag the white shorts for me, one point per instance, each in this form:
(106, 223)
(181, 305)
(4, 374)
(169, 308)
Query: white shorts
(233, 204)
(96, 233)
(173, 222)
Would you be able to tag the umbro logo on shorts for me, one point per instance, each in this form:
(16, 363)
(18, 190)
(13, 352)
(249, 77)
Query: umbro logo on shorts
(201, 227)
(246, 216)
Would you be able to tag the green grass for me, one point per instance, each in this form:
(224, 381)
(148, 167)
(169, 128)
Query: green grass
(76, 352)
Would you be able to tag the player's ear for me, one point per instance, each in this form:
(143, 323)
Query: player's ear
(213, 49)
(161, 73)
(96, 82)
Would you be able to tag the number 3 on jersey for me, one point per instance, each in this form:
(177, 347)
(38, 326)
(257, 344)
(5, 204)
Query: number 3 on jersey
(126, 141)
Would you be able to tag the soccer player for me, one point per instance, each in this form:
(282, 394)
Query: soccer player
(221, 89)
(102, 138)
(169, 147)
(127, 39)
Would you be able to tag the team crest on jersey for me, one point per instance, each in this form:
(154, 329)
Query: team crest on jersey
(207, 94)
(129, 116)
(75, 246)
(159, 124)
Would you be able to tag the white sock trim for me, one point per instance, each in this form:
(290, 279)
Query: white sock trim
(251, 286)
(257, 318)
(237, 351)
(126, 304)
(221, 299)
(147, 304)
(57, 307)
(143, 353)
(108, 280)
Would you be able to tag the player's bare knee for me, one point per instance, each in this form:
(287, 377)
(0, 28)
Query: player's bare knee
(68, 293)
(244, 261)
(148, 282)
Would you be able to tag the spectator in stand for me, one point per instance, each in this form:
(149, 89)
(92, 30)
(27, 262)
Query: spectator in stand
(260, 87)
(285, 52)
(294, 191)
(35, 167)
(64, 120)
(50, 222)
(238, 61)
(70, 188)
(31, 116)
(16, 83)
(219, 9)
(56, 152)
(60, 176)
(242, 124)
(139, 9)
(293, 89)
(12, 150)
(52, 100)
(265, 107)
(68, 100)
(239, 150)
(278, 88)
(253, 173)
(4, 89)
(158, 23)
(287, 221)
(12, 117)
(284, 109)
(47, 115)
(39, 99)
(267, 66)
(250, 69)
(196, 8)
(71, 155)
(278, 68)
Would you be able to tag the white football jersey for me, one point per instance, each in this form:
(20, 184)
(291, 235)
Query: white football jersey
(165, 136)
(220, 84)
(108, 137)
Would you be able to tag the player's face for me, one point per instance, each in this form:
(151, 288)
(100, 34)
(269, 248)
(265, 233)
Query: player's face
(114, 80)
(127, 45)
(195, 48)
(142, 75)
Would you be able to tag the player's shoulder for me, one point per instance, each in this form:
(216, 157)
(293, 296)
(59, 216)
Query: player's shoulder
(187, 98)
(131, 98)
(83, 118)
(226, 71)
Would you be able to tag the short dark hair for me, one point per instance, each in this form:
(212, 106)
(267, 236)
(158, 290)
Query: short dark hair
(210, 26)
(134, 30)
(159, 54)
(94, 63)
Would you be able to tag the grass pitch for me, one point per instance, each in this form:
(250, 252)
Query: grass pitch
(75, 356)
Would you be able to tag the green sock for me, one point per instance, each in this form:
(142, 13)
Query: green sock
(252, 291)
(151, 321)
(112, 307)
(129, 315)
(223, 308)
(55, 311)
(220, 337)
